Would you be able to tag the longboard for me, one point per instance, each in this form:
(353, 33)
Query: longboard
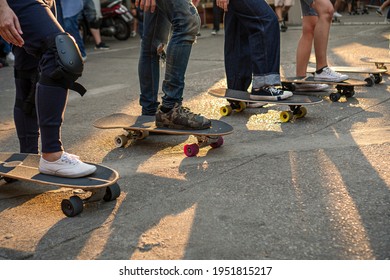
(139, 127)
(379, 62)
(374, 74)
(238, 100)
(346, 88)
(102, 184)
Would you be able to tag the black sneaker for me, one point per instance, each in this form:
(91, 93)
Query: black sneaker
(270, 93)
(181, 118)
(102, 46)
(379, 12)
(283, 26)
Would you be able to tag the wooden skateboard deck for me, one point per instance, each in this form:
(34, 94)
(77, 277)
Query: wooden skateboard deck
(238, 99)
(374, 74)
(346, 88)
(101, 184)
(139, 127)
(379, 62)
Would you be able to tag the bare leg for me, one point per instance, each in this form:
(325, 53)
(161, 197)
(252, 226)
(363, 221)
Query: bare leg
(96, 35)
(305, 44)
(324, 9)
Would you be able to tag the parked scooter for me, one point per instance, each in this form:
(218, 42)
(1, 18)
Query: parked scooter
(116, 21)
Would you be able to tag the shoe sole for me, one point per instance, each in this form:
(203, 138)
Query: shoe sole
(269, 98)
(80, 175)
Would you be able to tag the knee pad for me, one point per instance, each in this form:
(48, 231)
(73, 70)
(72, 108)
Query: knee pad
(69, 64)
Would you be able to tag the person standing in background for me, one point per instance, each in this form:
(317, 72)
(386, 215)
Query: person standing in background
(71, 11)
(92, 13)
(217, 12)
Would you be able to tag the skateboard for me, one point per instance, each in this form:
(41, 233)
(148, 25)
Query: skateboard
(374, 74)
(100, 185)
(379, 62)
(346, 88)
(238, 100)
(139, 127)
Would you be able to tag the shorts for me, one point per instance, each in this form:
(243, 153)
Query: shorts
(281, 3)
(306, 9)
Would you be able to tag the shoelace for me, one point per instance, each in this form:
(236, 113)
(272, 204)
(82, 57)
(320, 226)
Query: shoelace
(275, 91)
(70, 158)
(331, 72)
(187, 110)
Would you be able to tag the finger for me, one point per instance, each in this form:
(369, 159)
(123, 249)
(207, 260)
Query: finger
(12, 36)
(147, 5)
(17, 25)
(153, 7)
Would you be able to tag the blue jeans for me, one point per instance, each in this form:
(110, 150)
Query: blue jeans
(252, 45)
(71, 25)
(181, 18)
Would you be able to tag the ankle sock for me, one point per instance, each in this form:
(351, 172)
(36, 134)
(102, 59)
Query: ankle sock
(320, 70)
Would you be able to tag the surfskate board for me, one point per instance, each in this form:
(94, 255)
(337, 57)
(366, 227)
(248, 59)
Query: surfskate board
(374, 74)
(101, 185)
(237, 102)
(139, 127)
(345, 88)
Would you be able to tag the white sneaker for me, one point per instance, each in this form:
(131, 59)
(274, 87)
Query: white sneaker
(310, 87)
(10, 57)
(329, 75)
(67, 166)
(337, 15)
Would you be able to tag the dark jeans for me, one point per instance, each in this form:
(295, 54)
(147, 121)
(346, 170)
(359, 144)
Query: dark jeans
(252, 45)
(38, 24)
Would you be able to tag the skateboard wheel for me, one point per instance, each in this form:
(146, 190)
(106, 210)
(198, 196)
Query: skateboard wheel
(121, 141)
(285, 116)
(218, 143)
(369, 82)
(112, 192)
(302, 112)
(377, 78)
(72, 206)
(191, 150)
(334, 96)
(226, 110)
(241, 106)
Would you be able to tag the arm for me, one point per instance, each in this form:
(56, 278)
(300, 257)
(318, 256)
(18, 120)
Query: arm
(9, 25)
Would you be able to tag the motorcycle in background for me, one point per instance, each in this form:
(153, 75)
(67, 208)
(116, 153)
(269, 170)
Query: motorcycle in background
(116, 21)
